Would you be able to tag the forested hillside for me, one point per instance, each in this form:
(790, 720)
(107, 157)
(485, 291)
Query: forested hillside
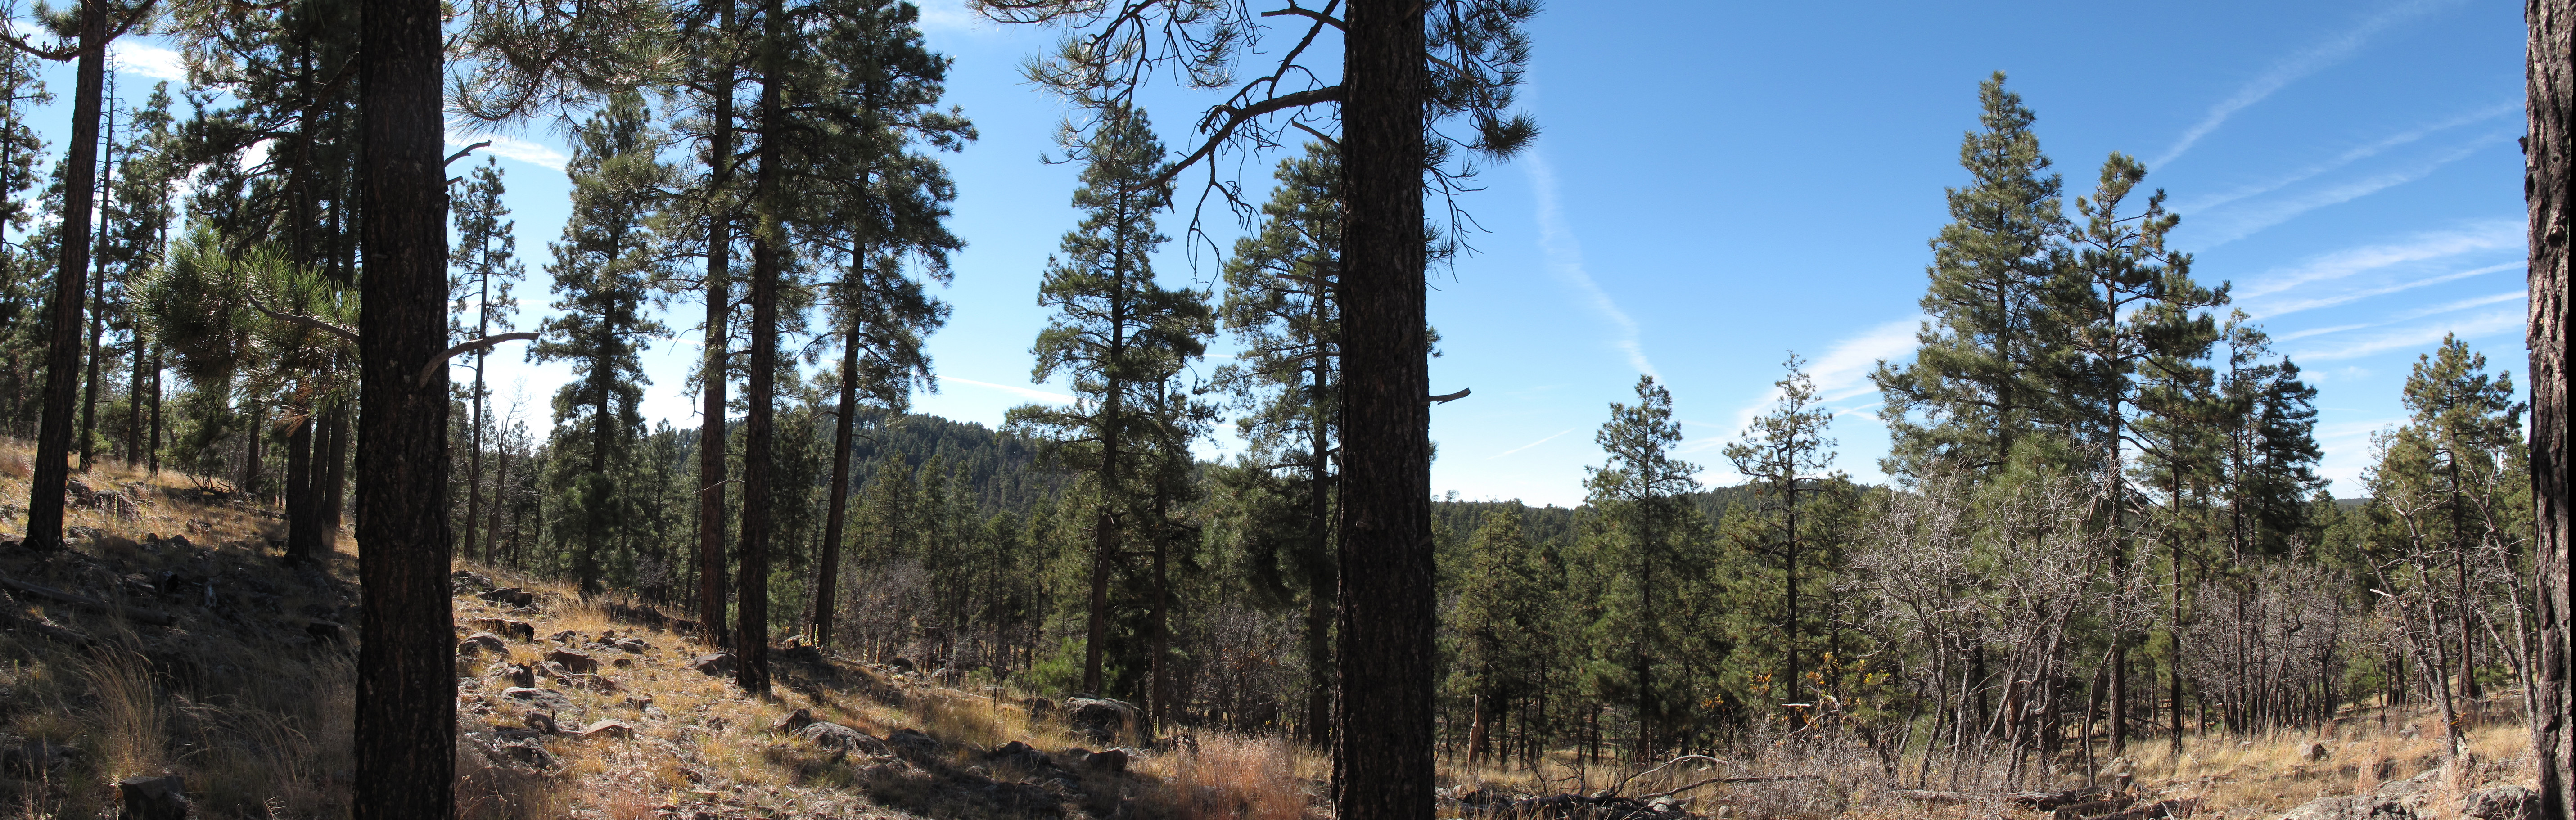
(2097, 555)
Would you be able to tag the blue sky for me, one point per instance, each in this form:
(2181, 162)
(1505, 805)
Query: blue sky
(1721, 184)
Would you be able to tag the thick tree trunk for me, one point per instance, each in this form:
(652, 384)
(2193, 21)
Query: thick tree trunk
(2550, 190)
(1382, 752)
(713, 374)
(406, 699)
(845, 430)
(63, 352)
(751, 632)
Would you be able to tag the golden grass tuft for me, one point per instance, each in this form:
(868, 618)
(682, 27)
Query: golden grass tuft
(1232, 777)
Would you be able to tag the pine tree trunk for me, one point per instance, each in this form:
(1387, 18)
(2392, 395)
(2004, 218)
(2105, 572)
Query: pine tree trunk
(713, 374)
(406, 698)
(63, 353)
(98, 299)
(1320, 569)
(134, 400)
(751, 631)
(474, 441)
(828, 574)
(2550, 190)
(152, 446)
(1382, 753)
(251, 436)
(300, 535)
(334, 475)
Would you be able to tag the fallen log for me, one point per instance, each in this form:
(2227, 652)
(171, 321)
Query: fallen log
(59, 596)
(1715, 780)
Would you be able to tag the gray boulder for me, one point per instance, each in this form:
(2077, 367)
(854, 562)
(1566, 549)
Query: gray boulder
(2502, 803)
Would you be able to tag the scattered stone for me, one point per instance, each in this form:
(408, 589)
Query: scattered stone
(2502, 803)
(505, 627)
(826, 735)
(2319, 752)
(522, 676)
(607, 729)
(543, 723)
(794, 721)
(510, 596)
(1101, 718)
(576, 662)
(912, 743)
(719, 664)
(527, 752)
(153, 798)
(633, 646)
(547, 699)
(481, 642)
(1113, 761)
(31, 759)
(640, 702)
(565, 637)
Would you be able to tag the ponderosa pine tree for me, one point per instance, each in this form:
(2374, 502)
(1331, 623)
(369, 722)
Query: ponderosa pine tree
(769, 260)
(2469, 419)
(141, 196)
(1974, 394)
(603, 271)
(1115, 332)
(1279, 304)
(1784, 452)
(84, 33)
(480, 287)
(1638, 495)
(888, 209)
(1500, 619)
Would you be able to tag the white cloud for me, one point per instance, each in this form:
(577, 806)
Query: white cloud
(2294, 306)
(2485, 235)
(1565, 259)
(2348, 157)
(510, 148)
(136, 57)
(1029, 392)
(1550, 437)
(2295, 67)
(1842, 373)
(2240, 222)
(953, 15)
(2421, 336)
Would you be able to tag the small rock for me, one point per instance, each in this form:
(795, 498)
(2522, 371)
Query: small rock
(529, 753)
(153, 798)
(795, 720)
(640, 702)
(576, 662)
(718, 664)
(607, 729)
(565, 637)
(542, 722)
(632, 645)
(505, 627)
(2318, 752)
(912, 742)
(2502, 803)
(510, 596)
(1113, 761)
(547, 699)
(522, 676)
(836, 736)
(481, 642)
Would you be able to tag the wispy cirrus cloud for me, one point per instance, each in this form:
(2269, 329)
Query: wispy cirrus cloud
(1028, 392)
(2270, 309)
(1565, 260)
(2241, 221)
(1550, 437)
(2355, 154)
(2340, 46)
(2420, 336)
(1840, 374)
(2481, 235)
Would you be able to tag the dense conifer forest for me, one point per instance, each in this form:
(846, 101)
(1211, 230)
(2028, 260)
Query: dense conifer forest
(2102, 528)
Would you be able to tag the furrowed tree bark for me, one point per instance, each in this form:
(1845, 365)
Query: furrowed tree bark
(751, 632)
(712, 375)
(2549, 188)
(1382, 751)
(300, 501)
(406, 699)
(63, 354)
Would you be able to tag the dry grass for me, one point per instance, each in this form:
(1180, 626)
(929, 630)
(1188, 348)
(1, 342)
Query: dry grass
(1229, 777)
